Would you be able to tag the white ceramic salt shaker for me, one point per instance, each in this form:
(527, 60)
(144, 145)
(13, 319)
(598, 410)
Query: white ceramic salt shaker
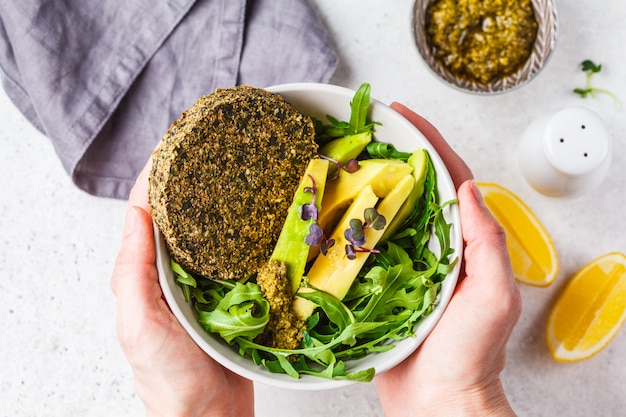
(566, 153)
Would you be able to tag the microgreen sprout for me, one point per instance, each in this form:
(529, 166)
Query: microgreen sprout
(316, 237)
(355, 234)
(350, 167)
(374, 219)
(309, 211)
(592, 68)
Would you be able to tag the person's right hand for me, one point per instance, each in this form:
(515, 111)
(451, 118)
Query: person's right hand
(456, 371)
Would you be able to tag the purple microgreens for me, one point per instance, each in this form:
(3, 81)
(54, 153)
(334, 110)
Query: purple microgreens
(350, 252)
(316, 237)
(309, 211)
(374, 219)
(325, 245)
(313, 188)
(333, 161)
(355, 234)
(351, 166)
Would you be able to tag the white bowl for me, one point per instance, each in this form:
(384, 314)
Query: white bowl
(318, 100)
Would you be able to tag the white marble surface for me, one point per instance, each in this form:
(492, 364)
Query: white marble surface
(58, 351)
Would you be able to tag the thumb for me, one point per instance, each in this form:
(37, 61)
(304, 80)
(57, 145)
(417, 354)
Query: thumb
(135, 282)
(488, 273)
(135, 264)
(477, 222)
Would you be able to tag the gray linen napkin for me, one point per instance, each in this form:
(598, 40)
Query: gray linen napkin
(103, 79)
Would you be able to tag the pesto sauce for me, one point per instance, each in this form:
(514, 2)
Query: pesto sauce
(481, 41)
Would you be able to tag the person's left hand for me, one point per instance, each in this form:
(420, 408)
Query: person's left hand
(173, 376)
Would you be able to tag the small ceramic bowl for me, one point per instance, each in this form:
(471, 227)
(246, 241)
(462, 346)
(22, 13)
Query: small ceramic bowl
(545, 12)
(318, 100)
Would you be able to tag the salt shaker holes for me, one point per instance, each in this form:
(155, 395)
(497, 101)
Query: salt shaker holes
(567, 152)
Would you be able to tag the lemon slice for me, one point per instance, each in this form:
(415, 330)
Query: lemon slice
(590, 310)
(532, 252)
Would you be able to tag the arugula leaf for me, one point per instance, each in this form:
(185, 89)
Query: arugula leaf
(335, 310)
(391, 280)
(185, 280)
(359, 105)
(242, 312)
(386, 151)
(320, 353)
(359, 123)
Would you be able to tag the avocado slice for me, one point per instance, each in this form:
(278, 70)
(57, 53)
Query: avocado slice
(291, 247)
(335, 272)
(345, 148)
(419, 162)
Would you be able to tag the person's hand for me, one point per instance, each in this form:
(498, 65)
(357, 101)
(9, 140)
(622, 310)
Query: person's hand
(456, 370)
(173, 376)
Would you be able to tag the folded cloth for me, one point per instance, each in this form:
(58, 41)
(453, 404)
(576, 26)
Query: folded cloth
(103, 79)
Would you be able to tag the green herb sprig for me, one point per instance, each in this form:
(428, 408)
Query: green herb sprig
(358, 116)
(592, 68)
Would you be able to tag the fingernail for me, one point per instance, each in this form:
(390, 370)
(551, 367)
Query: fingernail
(131, 220)
(477, 194)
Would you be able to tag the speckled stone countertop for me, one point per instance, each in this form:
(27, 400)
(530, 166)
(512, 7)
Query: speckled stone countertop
(59, 355)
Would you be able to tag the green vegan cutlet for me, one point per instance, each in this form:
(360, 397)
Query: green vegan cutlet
(223, 178)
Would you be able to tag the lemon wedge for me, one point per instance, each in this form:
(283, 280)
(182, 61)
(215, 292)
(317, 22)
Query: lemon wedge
(533, 255)
(590, 310)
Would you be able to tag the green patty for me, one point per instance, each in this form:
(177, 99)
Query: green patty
(223, 178)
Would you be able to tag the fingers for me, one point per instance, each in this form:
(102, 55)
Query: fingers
(459, 171)
(488, 270)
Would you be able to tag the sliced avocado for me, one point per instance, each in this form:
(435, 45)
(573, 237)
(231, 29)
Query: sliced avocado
(345, 148)
(291, 247)
(381, 174)
(419, 162)
(335, 272)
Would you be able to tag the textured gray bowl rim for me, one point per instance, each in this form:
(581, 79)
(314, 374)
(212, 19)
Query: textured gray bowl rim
(547, 19)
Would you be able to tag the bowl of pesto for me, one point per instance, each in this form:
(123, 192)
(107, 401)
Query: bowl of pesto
(486, 47)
